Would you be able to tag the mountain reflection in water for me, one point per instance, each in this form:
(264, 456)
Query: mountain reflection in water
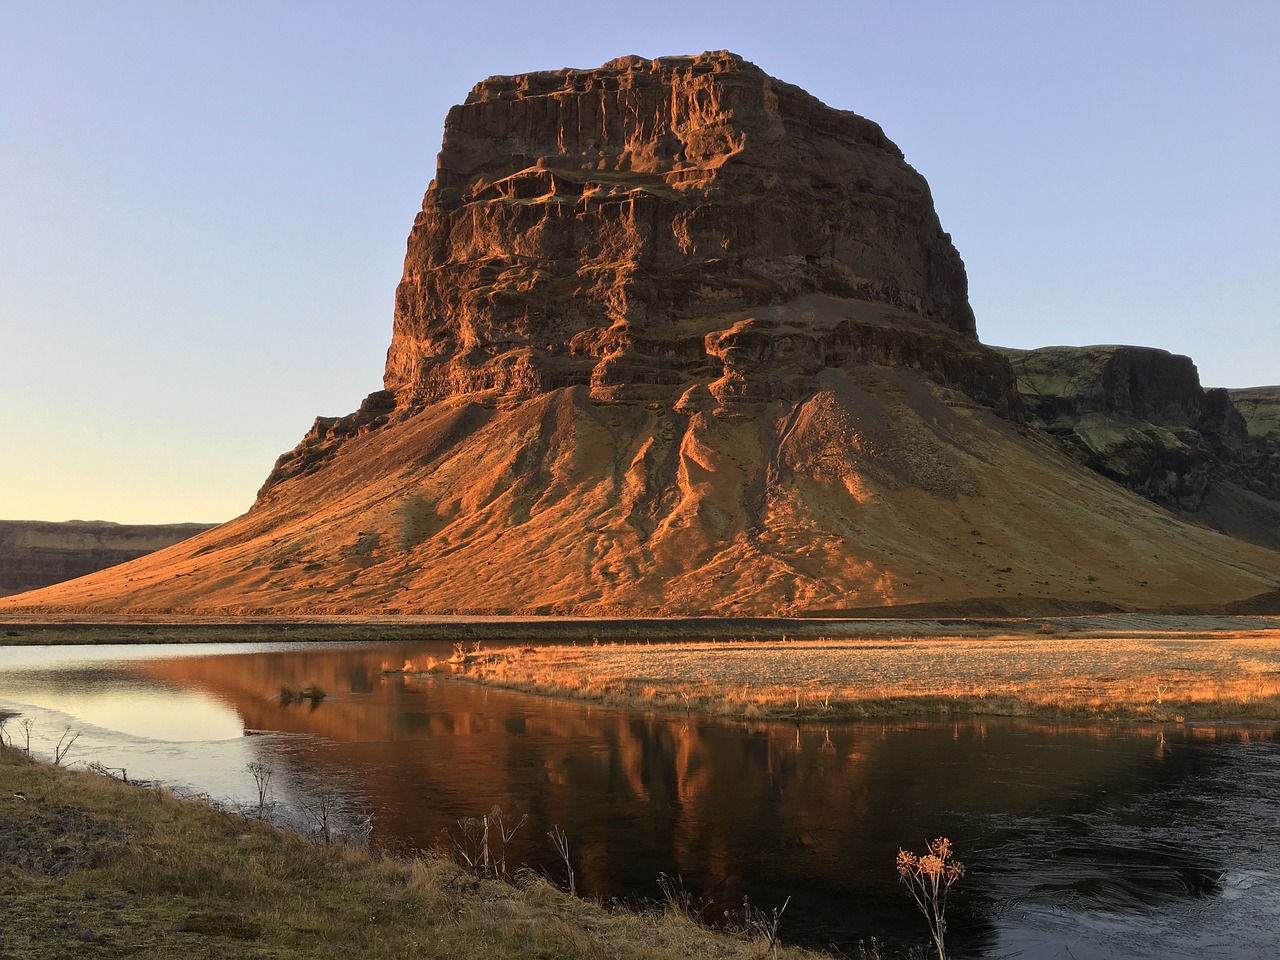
(1080, 841)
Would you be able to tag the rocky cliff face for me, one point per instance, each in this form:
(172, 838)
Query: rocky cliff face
(586, 226)
(1140, 416)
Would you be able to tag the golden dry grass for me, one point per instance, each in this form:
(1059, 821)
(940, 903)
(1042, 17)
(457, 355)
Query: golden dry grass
(1164, 678)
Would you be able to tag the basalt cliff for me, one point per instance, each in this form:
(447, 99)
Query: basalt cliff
(675, 337)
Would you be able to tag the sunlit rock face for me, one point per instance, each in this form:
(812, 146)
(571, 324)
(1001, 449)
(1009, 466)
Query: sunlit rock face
(610, 227)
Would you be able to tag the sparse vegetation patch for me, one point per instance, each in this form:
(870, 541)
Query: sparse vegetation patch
(1167, 679)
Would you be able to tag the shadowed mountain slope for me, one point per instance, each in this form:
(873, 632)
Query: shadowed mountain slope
(675, 337)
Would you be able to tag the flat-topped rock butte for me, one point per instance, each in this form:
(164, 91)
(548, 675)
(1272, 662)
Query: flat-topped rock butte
(674, 337)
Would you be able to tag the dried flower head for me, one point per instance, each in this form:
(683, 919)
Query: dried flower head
(928, 878)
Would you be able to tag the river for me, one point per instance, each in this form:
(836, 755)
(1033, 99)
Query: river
(1080, 841)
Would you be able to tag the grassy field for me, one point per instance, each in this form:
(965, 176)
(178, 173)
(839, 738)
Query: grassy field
(90, 867)
(1229, 677)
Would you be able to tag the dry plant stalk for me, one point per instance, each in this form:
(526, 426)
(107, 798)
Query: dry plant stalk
(929, 878)
(560, 840)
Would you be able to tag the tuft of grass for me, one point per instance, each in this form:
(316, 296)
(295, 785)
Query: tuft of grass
(310, 693)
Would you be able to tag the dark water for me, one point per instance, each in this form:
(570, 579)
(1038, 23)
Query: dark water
(1080, 841)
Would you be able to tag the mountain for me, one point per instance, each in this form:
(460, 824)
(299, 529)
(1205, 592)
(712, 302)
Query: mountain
(35, 553)
(1140, 417)
(675, 337)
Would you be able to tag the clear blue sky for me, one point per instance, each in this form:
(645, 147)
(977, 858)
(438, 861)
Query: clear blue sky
(204, 205)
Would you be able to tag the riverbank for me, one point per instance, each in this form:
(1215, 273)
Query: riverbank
(1169, 677)
(87, 629)
(90, 866)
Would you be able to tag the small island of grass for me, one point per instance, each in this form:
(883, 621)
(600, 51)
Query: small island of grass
(1168, 677)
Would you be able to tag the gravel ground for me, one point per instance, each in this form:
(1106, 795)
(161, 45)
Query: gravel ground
(51, 840)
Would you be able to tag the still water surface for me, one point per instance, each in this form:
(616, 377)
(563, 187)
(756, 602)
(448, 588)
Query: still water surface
(1080, 841)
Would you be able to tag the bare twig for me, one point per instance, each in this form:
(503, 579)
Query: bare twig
(321, 810)
(63, 746)
(103, 770)
(480, 845)
(262, 774)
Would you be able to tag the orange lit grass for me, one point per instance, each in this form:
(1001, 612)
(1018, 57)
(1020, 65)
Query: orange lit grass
(1158, 679)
